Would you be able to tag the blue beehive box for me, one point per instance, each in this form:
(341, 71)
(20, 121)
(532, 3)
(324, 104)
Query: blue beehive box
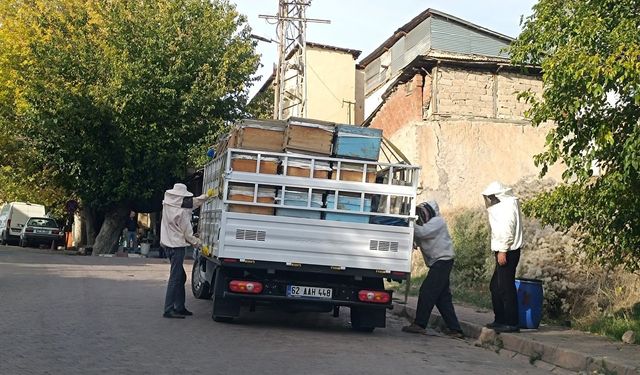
(299, 199)
(357, 142)
(350, 203)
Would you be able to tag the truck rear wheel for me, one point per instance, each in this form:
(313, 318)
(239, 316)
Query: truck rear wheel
(199, 285)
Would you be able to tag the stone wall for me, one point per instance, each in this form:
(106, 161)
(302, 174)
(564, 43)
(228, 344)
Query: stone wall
(508, 84)
(459, 158)
(463, 92)
(466, 128)
(481, 93)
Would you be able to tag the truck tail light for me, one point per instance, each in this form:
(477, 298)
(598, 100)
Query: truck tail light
(374, 296)
(249, 287)
(28, 229)
(55, 231)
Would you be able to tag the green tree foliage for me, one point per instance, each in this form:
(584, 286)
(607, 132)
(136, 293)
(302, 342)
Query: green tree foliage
(21, 180)
(261, 106)
(115, 94)
(589, 52)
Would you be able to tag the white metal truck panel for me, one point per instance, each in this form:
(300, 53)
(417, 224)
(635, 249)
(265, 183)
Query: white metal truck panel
(317, 242)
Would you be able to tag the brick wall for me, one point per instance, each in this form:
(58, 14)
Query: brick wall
(464, 92)
(404, 105)
(474, 93)
(508, 106)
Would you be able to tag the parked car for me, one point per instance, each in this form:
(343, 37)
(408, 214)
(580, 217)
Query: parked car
(40, 230)
(14, 216)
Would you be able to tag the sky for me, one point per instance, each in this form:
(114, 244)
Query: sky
(364, 24)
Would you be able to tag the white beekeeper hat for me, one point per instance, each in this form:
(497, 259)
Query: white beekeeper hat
(496, 188)
(180, 190)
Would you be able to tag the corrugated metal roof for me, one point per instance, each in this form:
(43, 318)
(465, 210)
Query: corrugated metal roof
(430, 12)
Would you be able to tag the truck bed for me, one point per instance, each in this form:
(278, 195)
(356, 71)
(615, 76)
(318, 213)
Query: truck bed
(300, 241)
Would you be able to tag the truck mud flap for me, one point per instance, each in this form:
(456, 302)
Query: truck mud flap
(224, 309)
(363, 318)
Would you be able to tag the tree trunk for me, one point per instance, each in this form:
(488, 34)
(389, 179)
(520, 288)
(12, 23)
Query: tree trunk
(89, 224)
(107, 239)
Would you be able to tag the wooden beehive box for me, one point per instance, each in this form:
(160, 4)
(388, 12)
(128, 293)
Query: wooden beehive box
(309, 136)
(353, 172)
(302, 168)
(245, 194)
(260, 135)
(248, 163)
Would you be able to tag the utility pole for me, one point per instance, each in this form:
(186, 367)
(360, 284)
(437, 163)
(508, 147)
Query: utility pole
(291, 72)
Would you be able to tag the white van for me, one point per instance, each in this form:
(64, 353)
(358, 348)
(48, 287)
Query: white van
(14, 216)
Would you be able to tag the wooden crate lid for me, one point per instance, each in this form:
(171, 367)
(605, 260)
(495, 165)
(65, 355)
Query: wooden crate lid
(358, 131)
(312, 123)
(275, 125)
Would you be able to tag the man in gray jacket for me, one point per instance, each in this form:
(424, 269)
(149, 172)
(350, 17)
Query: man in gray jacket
(432, 235)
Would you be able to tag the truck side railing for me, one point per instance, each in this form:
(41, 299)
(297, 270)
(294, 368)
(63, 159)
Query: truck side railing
(394, 188)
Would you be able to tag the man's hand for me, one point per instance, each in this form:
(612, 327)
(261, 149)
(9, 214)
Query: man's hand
(502, 258)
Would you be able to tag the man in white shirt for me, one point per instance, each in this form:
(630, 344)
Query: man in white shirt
(505, 220)
(176, 234)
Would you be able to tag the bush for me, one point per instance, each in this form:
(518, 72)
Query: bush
(471, 236)
(471, 240)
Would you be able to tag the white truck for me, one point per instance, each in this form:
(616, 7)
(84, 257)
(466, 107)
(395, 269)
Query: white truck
(348, 236)
(14, 216)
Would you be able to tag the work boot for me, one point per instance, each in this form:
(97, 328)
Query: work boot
(413, 328)
(454, 334)
(184, 312)
(507, 329)
(172, 315)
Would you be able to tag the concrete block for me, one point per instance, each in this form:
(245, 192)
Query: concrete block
(567, 359)
(544, 365)
(560, 371)
(604, 366)
(507, 353)
(522, 359)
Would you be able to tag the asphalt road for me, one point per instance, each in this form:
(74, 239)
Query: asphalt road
(93, 315)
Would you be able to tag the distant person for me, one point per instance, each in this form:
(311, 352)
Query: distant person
(132, 230)
(432, 235)
(505, 220)
(176, 234)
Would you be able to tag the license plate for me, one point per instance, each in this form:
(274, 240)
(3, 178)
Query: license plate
(308, 291)
(42, 231)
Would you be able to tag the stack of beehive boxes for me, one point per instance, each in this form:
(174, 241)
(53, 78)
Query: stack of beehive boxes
(299, 136)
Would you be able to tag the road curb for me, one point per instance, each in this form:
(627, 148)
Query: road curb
(562, 359)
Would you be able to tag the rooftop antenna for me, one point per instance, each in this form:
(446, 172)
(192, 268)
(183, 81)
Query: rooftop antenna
(291, 71)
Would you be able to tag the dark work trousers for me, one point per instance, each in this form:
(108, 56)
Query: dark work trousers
(435, 291)
(174, 299)
(503, 290)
